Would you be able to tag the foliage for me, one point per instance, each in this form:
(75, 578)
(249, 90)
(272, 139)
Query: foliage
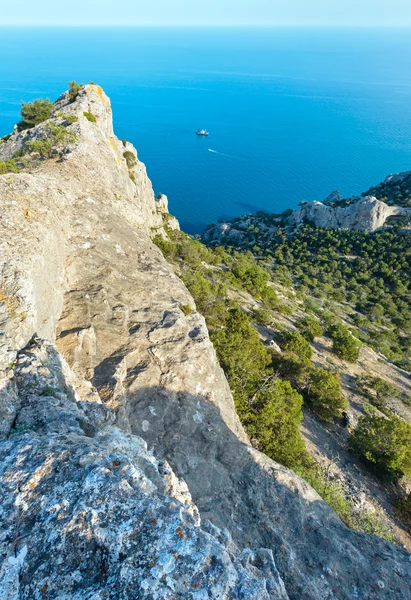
(296, 343)
(378, 391)
(74, 89)
(48, 390)
(323, 392)
(266, 385)
(397, 192)
(384, 444)
(90, 117)
(262, 316)
(332, 492)
(274, 423)
(54, 139)
(345, 345)
(186, 309)
(402, 509)
(310, 328)
(35, 112)
(70, 119)
(130, 159)
(9, 166)
(371, 271)
(268, 407)
(252, 277)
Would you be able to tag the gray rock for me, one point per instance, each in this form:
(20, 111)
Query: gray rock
(367, 214)
(397, 177)
(333, 197)
(78, 268)
(88, 512)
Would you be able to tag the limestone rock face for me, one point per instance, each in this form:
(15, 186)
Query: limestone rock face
(78, 268)
(88, 512)
(222, 232)
(367, 214)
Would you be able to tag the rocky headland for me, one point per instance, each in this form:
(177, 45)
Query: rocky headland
(364, 214)
(125, 471)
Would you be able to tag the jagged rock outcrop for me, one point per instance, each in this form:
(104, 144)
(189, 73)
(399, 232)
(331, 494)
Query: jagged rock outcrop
(367, 214)
(78, 268)
(87, 512)
(397, 177)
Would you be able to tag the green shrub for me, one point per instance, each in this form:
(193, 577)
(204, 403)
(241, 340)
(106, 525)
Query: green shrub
(48, 390)
(297, 344)
(261, 316)
(35, 112)
(284, 309)
(90, 117)
(345, 345)
(275, 423)
(323, 393)
(167, 248)
(186, 309)
(8, 166)
(70, 119)
(251, 277)
(74, 89)
(310, 328)
(54, 139)
(5, 138)
(130, 159)
(385, 444)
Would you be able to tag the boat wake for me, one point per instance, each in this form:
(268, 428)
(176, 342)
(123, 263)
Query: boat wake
(222, 153)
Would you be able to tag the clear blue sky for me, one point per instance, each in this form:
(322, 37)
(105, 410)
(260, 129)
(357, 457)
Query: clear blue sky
(207, 12)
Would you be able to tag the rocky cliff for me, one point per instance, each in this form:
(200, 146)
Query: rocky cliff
(367, 214)
(125, 470)
(364, 214)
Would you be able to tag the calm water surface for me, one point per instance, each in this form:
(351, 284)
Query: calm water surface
(292, 114)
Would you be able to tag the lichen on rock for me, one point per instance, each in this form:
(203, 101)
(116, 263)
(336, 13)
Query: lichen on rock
(87, 511)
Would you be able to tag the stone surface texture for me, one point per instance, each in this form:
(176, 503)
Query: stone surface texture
(88, 512)
(97, 360)
(367, 214)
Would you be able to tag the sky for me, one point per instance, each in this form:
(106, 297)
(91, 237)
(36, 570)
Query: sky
(208, 12)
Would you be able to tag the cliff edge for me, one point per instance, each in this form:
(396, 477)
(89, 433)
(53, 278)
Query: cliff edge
(107, 379)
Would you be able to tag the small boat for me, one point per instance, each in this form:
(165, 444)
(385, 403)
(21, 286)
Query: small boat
(202, 132)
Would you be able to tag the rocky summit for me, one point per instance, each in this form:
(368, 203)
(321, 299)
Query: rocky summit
(125, 472)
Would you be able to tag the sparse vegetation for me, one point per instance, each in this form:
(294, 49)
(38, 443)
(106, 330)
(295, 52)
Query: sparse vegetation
(70, 119)
(130, 159)
(323, 393)
(34, 113)
(9, 166)
(269, 388)
(385, 444)
(186, 309)
(262, 316)
(55, 138)
(90, 117)
(74, 89)
(345, 345)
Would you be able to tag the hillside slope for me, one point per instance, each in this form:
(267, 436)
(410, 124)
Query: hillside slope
(133, 362)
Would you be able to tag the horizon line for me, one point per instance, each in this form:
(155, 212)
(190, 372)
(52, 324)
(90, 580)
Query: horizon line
(217, 25)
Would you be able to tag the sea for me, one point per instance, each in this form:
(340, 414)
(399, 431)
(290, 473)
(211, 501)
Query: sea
(293, 114)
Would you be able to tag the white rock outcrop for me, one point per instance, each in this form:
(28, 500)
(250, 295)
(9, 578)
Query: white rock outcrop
(367, 214)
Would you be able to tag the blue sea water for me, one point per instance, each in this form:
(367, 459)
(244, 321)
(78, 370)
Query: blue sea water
(292, 113)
